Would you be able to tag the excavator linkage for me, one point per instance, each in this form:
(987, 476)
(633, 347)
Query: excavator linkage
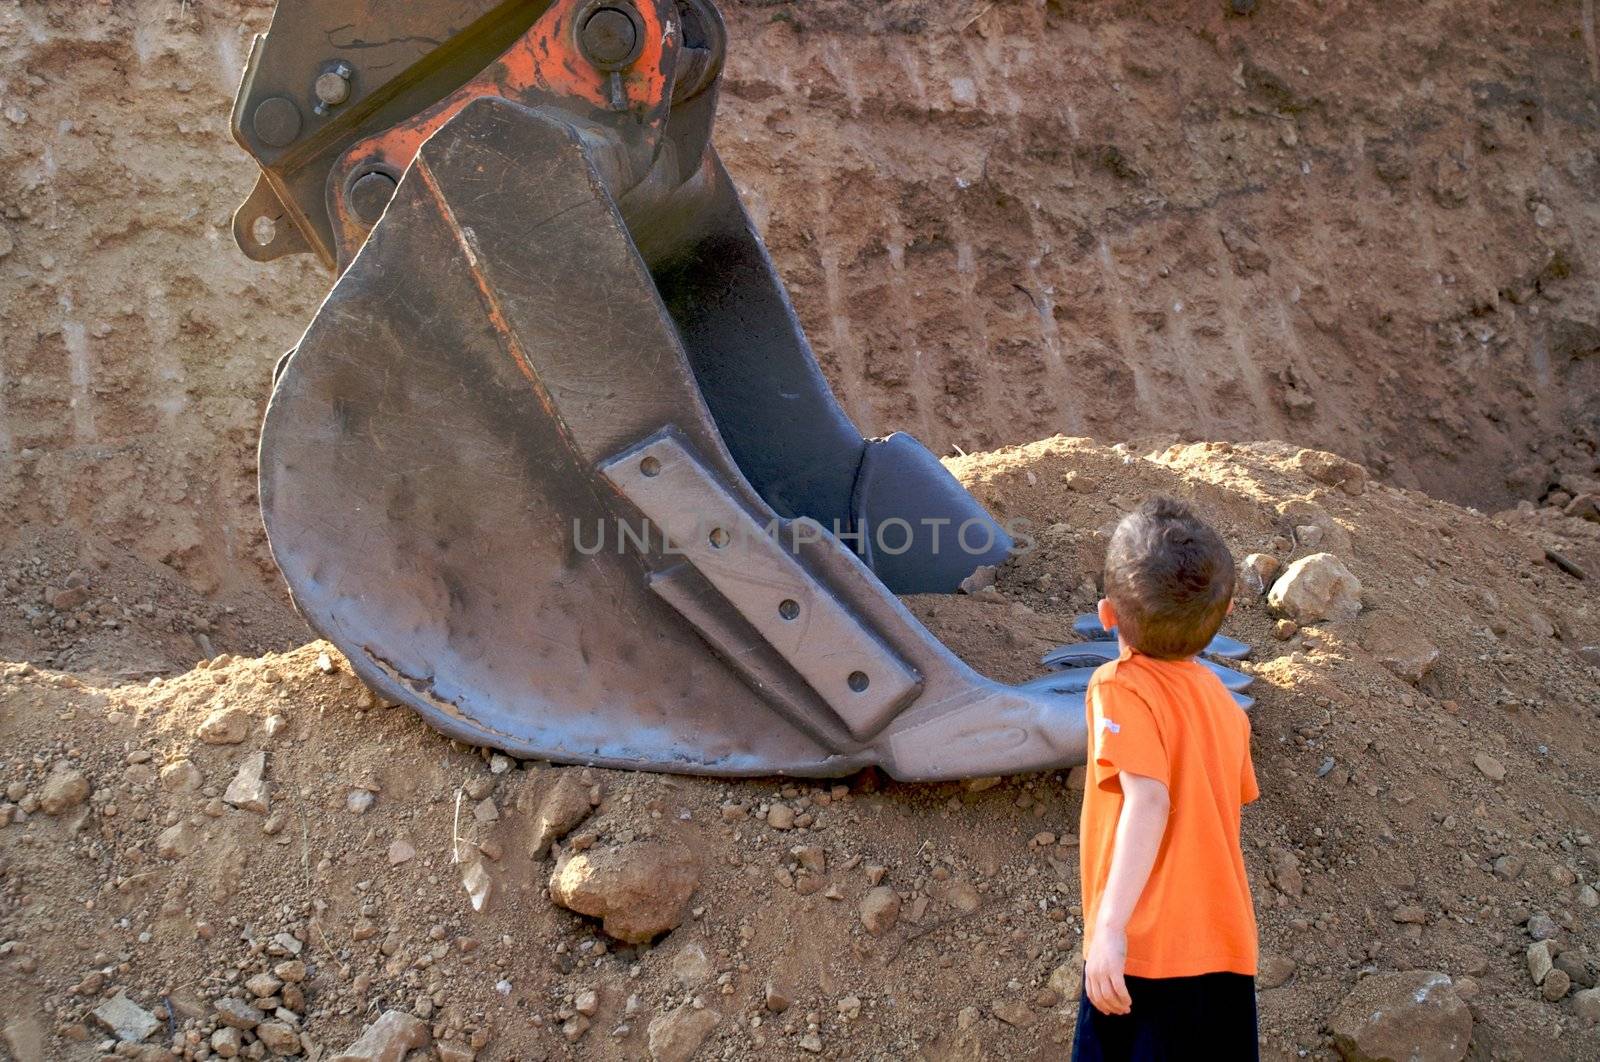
(554, 464)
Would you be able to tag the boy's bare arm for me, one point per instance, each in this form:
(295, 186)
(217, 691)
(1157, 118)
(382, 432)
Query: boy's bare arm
(1140, 827)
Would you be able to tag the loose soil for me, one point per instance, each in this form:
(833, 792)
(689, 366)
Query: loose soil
(1369, 231)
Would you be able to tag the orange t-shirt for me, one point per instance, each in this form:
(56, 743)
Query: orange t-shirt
(1173, 721)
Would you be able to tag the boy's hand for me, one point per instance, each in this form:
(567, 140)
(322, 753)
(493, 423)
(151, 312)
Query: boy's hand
(1102, 971)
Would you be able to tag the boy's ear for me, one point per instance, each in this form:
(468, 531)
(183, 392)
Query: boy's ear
(1108, 614)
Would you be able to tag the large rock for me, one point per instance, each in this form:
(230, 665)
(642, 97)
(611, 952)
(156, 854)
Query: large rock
(1316, 588)
(677, 1035)
(64, 790)
(387, 1039)
(1397, 645)
(638, 891)
(1402, 1017)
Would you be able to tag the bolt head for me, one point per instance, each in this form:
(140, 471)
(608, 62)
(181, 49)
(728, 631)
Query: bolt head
(277, 121)
(610, 38)
(370, 195)
(333, 88)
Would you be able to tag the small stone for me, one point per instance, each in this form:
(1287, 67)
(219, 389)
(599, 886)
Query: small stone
(225, 726)
(562, 809)
(1014, 1013)
(476, 880)
(1333, 470)
(125, 1019)
(293, 971)
(1585, 507)
(811, 1042)
(1556, 984)
(1586, 1005)
(62, 791)
(181, 776)
(1540, 962)
(1507, 867)
(249, 788)
(962, 896)
(387, 1039)
(1395, 643)
(1542, 927)
(485, 811)
(279, 1037)
(691, 966)
(780, 817)
(1410, 915)
(1316, 588)
(177, 841)
(1285, 629)
(587, 1002)
(1258, 572)
(981, 578)
(1067, 978)
(238, 1013)
(1572, 964)
(574, 1028)
(1588, 896)
(359, 801)
(880, 909)
(639, 890)
(676, 1035)
(811, 857)
(1274, 971)
(226, 1042)
(263, 985)
(1491, 768)
(1415, 1016)
(779, 996)
(401, 851)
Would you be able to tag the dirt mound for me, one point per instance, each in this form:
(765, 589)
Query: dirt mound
(1436, 822)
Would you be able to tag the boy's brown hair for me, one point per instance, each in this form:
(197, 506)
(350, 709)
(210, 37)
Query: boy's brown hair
(1169, 576)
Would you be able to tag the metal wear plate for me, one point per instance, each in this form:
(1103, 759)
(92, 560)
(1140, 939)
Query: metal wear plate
(858, 676)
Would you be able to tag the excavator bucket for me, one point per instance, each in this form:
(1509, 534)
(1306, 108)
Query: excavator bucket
(554, 464)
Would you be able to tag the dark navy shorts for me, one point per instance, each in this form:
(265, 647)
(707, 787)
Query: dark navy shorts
(1174, 1019)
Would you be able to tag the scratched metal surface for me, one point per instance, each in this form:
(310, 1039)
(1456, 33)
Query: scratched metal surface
(551, 287)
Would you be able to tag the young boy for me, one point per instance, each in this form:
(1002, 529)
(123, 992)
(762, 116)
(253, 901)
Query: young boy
(1170, 933)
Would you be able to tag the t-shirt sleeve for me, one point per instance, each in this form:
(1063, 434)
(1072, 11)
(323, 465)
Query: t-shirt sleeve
(1248, 789)
(1124, 736)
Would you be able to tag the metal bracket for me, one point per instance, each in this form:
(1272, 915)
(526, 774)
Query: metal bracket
(855, 673)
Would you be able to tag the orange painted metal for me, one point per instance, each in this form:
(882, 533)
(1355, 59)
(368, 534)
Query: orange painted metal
(546, 66)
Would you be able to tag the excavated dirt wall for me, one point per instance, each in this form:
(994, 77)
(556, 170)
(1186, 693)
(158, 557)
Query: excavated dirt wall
(1371, 228)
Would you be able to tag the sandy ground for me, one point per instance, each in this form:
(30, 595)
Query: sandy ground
(1367, 229)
